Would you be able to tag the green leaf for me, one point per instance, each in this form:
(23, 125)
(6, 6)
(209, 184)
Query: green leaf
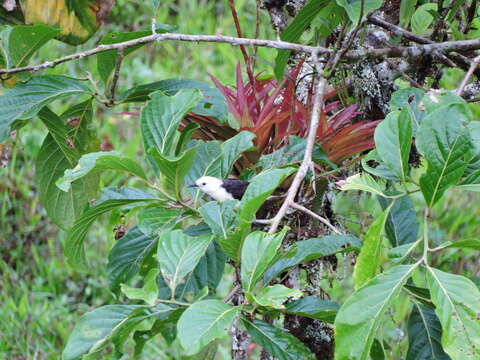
(173, 169)
(127, 255)
(74, 248)
(291, 154)
(106, 59)
(216, 159)
(148, 292)
(258, 252)
(154, 220)
(424, 335)
(407, 8)
(294, 30)
(359, 317)
(354, 7)
(274, 296)
(220, 217)
(313, 308)
(412, 99)
(161, 117)
(97, 161)
(259, 189)
(458, 307)
(207, 273)
(393, 140)
(373, 164)
(203, 322)
(21, 42)
(442, 139)
(462, 244)
(212, 104)
(26, 99)
(311, 249)
(363, 182)
(368, 262)
(107, 323)
(402, 224)
(59, 151)
(422, 19)
(278, 343)
(178, 254)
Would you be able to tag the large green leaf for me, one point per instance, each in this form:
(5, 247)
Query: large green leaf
(154, 220)
(26, 99)
(106, 59)
(274, 296)
(214, 158)
(148, 292)
(21, 42)
(368, 262)
(294, 30)
(97, 161)
(74, 248)
(203, 322)
(173, 169)
(178, 254)
(354, 7)
(393, 140)
(220, 217)
(457, 305)
(360, 316)
(127, 255)
(407, 8)
(207, 273)
(424, 335)
(314, 308)
(161, 117)
(212, 104)
(277, 342)
(402, 225)
(258, 252)
(97, 328)
(311, 249)
(363, 182)
(259, 189)
(442, 139)
(60, 151)
(293, 153)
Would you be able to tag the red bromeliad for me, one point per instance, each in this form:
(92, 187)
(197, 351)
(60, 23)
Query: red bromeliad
(272, 111)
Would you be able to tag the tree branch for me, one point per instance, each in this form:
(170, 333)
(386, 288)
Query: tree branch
(116, 75)
(353, 55)
(469, 74)
(307, 159)
(316, 216)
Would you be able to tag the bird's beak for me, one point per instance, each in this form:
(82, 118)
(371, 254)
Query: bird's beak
(193, 186)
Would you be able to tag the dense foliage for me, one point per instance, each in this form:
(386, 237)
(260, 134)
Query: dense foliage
(174, 247)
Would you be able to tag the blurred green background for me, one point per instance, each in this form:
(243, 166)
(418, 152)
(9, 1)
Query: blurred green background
(41, 298)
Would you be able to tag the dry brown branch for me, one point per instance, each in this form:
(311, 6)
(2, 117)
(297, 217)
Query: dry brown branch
(116, 75)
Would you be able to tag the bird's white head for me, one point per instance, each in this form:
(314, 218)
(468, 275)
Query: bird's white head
(213, 187)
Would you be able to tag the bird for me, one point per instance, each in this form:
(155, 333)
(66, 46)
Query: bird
(221, 189)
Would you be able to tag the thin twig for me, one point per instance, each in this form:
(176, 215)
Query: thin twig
(469, 74)
(316, 216)
(116, 75)
(333, 61)
(283, 45)
(307, 159)
(352, 56)
(450, 60)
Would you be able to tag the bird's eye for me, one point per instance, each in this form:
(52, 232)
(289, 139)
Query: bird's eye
(204, 184)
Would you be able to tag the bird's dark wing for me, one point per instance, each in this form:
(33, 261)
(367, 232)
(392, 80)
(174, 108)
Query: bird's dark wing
(235, 187)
